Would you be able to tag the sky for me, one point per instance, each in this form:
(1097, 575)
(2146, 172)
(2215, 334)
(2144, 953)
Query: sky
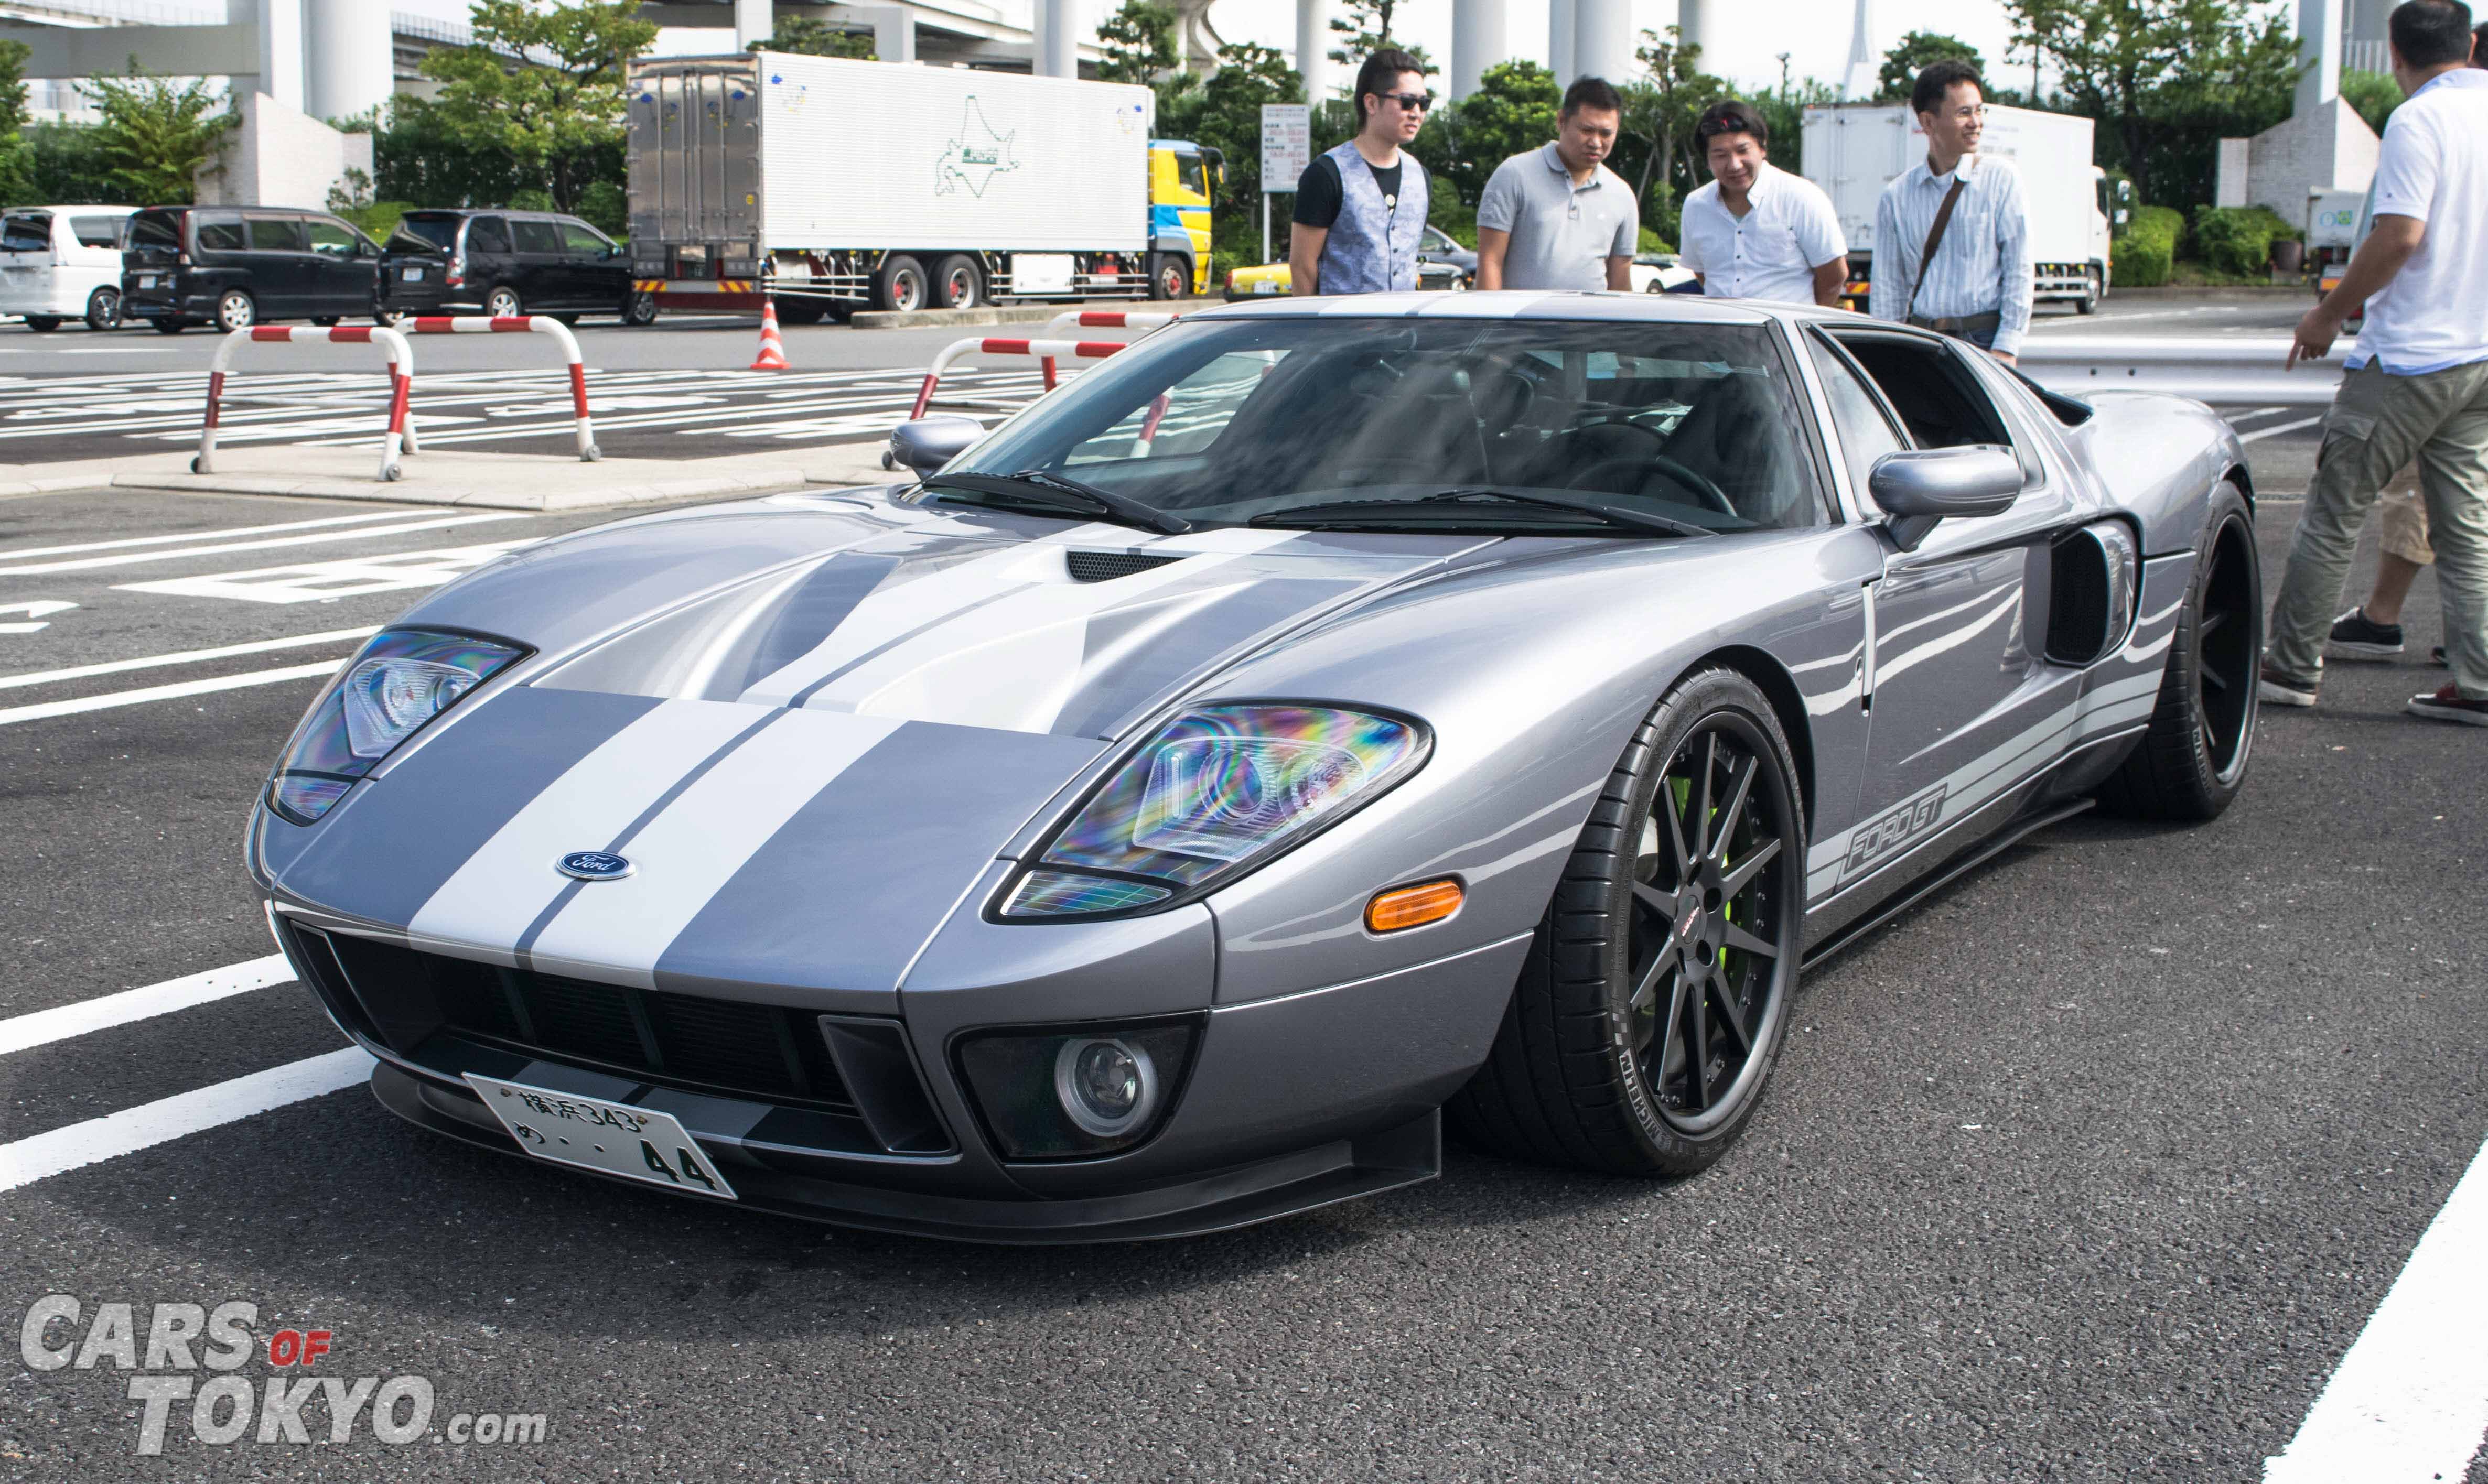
(1747, 34)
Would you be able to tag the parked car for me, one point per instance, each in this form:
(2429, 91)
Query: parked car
(507, 262)
(235, 266)
(1662, 273)
(1440, 247)
(1432, 275)
(61, 262)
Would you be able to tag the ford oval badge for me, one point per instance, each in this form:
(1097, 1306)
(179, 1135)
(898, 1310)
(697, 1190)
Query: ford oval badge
(593, 866)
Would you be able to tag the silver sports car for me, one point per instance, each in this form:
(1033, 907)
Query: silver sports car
(1321, 717)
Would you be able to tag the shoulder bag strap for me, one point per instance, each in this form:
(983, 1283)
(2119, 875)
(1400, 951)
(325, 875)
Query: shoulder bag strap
(1934, 239)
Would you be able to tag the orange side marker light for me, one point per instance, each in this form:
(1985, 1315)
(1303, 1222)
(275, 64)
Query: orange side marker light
(1402, 908)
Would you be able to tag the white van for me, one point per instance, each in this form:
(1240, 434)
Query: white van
(63, 263)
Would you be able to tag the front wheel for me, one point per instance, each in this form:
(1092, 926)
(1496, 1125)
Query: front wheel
(2193, 759)
(503, 303)
(2089, 302)
(236, 311)
(1169, 278)
(103, 310)
(640, 309)
(1650, 1007)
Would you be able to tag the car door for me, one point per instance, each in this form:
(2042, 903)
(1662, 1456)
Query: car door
(602, 273)
(277, 267)
(544, 278)
(346, 267)
(1960, 698)
(489, 260)
(25, 262)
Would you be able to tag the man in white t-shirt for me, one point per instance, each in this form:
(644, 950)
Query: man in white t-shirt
(1756, 232)
(2417, 381)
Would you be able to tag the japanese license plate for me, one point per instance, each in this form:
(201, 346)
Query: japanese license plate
(615, 1138)
(1266, 286)
(411, 275)
(147, 280)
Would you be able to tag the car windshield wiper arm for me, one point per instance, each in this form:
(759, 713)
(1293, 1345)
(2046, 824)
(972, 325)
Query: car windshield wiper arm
(1043, 488)
(1622, 514)
(1430, 507)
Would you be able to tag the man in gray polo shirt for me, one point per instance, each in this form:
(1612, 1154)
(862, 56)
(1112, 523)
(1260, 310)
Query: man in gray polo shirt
(1555, 218)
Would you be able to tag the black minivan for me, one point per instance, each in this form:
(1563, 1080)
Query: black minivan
(235, 266)
(507, 262)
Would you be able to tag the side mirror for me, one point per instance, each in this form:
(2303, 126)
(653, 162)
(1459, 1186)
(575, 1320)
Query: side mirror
(1920, 488)
(928, 443)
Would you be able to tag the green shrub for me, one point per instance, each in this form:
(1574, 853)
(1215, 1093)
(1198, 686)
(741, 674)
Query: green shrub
(1653, 242)
(2146, 254)
(2238, 240)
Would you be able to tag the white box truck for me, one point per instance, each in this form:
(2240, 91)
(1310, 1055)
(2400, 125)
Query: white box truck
(834, 183)
(1854, 149)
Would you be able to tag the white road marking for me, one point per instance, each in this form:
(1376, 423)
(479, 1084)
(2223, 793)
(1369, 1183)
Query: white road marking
(183, 656)
(2265, 432)
(40, 1027)
(173, 692)
(367, 533)
(38, 613)
(2410, 1400)
(97, 1140)
(2249, 416)
(347, 578)
(24, 552)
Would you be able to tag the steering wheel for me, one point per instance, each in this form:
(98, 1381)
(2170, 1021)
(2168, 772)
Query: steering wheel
(1713, 497)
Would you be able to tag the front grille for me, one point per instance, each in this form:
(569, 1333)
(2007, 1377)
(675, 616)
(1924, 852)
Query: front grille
(771, 1053)
(1106, 566)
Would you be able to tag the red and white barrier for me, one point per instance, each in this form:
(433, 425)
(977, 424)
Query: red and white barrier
(1050, 349)
(523, 325)
(400, 435)
(1104, 319)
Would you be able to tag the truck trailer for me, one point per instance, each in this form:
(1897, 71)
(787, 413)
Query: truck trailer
(833, 183)
(1854, 149)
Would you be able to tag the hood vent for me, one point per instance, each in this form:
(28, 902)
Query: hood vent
(1106, 566)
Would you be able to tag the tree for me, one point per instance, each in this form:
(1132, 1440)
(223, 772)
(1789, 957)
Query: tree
(1920, 50)
(16, 155)
(560, 120)
(2168, 79)
(1224, 113)
(2375, 95)
(1512, 110)
(155, 135)
(1659, 119)
(1138, 41)
(808, 36)
(1367, 25)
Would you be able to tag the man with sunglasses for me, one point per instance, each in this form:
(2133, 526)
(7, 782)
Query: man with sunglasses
(1361, 209)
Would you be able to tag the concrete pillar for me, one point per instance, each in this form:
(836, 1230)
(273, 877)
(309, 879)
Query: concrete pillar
(1692, 26)
(1477, 42)
(753, 22)
(2319, 51)
(1559, 40)
(280, 52)
(350, 64)
(1057, 39)
(1312, 49)
(893, 33)
(1602, 40)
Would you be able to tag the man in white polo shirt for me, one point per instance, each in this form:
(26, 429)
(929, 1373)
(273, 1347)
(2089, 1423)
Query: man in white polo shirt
(2417, 381)
(1756, 232)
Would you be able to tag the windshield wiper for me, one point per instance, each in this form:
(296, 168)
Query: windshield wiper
(1036, 487)
(1378, 512)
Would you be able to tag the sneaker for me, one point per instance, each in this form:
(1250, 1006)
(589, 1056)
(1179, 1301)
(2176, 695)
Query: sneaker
(2446, 704)
(2354, 634)
(2278, 689)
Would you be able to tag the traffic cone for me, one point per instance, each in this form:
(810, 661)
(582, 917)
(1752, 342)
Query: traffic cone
(773, 350)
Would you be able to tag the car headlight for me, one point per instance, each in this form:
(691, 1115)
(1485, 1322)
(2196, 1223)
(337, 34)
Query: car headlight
(1219, 790)
(402, 680)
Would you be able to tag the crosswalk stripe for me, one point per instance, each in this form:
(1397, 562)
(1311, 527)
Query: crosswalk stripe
(171, 693)
(57, 1152)
(180, 553)
(183, 656)
(40, 1027)
(22, 553)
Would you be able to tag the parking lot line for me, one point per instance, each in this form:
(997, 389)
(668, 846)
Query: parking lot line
(62, 1021)
(183, 656)
(2265, 432)
(366, 533)
(23, 553)
(59, 1151)
(171, 693)
(2410, 1400)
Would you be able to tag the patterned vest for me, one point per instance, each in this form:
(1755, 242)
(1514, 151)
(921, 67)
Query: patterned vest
(1372, 248)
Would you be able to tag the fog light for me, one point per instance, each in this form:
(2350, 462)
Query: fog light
(1105, 1086)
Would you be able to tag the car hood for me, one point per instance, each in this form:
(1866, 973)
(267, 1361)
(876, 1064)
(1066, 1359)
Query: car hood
(809, 764)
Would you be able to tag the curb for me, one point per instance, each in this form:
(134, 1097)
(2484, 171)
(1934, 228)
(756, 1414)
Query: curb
(1014, 314)
(47, 485)
(2215, 293)
(761, 481)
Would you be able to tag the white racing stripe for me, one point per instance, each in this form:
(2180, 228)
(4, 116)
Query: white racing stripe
(2410, 1400)
(171, 693)
(40, 1027)
(618, 930)
(97, 1140)
(183, 656)
(490, 900)
(21, 554)
(185, 553)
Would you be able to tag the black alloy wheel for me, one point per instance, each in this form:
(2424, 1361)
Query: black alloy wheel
(2193, 758)
(1651, 1009)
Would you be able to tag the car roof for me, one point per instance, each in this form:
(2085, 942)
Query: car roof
(88, 208)
(1513, 304)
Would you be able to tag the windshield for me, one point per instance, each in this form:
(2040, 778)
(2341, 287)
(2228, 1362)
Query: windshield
(425, 233)
(1221, 422)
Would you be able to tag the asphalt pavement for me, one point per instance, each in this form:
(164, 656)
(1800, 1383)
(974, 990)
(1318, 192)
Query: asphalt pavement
(2094, 1167)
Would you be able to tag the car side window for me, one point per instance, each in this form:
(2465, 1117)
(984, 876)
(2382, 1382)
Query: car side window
(276, 234)
(1942, 404)
(26, 233)
(332, 239)
(1865, 427)
(538, 236)
(487, 234)
(98, 231)
(580, 240)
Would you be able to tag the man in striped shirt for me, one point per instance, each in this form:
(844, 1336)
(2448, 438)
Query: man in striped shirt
(1976, 285)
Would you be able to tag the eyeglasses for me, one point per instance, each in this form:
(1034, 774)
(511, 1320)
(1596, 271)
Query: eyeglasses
(1414, 102)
